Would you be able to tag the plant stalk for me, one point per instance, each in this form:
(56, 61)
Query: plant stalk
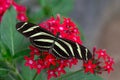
(34, 77)
(14, 70)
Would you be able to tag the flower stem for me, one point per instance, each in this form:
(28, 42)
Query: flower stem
(35, 76)
(18, 74)
(14, 70)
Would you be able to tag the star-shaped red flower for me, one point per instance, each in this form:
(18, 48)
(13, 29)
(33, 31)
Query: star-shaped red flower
(34, 51)
(108, 67)
(110, 60)
(51, 73)
(60, 70)
(30, 62)
(102, 54)
(63, 62)
(68, 23)
(39, 65)
(50, 60)
(89, 66)
(72, 61)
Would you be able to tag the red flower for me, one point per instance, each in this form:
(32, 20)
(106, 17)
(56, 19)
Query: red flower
(18, 7)
(60, 70)
(67, 28)
(21, 10)
(34, 51)
(72, 61)
(102, 54)
(68, 23)
(51, 25)
(51, 73)
(89, 66)
(63, 62)
(22, 17)
(110, 60)
(30, 62)
(50, 60)
(74, 38)
(39, 65)
(108, 67)
(4, 5)
(102, 63)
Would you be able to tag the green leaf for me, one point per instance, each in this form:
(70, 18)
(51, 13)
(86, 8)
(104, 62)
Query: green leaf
(3, 71)
(21, 54)
(42, 75)
(4, 52)
(3, 64)
(27, 73)
(7, 77)
(9, 35)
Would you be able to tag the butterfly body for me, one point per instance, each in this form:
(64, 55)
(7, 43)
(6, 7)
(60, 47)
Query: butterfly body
(46, 41)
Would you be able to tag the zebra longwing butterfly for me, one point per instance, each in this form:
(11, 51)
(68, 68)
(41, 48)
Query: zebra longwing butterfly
(46, 41)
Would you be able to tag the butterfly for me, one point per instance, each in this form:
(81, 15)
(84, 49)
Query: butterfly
(47, 41)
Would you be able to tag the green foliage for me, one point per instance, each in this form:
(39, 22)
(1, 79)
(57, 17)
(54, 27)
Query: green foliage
(3, 69)
(27, 73)
(21, 54)
(51, 8)
(4, 52)
(9, 36)
(12, 44)
(57, 6)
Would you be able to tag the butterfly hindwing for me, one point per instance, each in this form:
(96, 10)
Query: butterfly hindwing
(73, 49)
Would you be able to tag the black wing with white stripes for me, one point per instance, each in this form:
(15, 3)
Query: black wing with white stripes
(46, 41)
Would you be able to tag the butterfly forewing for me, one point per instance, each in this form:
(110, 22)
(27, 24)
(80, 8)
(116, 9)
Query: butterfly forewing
(39, 37)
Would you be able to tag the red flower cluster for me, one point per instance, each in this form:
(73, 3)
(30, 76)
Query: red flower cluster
(100, 62)
(43, 60)
(40, 60)
(21, 10)
(67, 28)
